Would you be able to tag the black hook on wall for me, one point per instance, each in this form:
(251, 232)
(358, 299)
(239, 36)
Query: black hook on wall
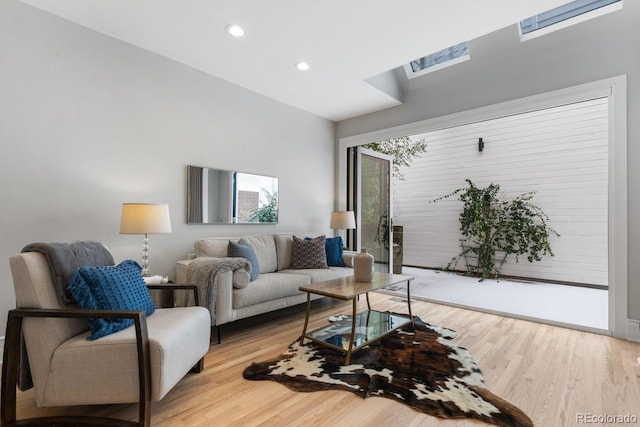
(480, 144)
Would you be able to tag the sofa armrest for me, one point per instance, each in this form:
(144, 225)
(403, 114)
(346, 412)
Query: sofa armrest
(12, 355)
(225, 281)
(241, 277)
(181, 270)
(347, 257)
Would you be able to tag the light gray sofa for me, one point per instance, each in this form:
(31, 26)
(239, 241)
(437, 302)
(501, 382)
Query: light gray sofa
(277, 285)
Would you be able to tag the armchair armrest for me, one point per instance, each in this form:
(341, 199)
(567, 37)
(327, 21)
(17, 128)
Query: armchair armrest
(11, 363)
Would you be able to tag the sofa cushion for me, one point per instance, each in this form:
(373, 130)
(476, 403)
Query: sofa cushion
(269, 287)
(214, 247)
(244, 250)
(309, 253)
(321, 274)
(265, 247)
(284, 248)
(118, 287)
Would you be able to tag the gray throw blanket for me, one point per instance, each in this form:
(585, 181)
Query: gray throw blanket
(204, 272)
(65, 258)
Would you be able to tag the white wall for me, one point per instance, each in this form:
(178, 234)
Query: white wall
(88, 122)
(559, 152)
(501, 69)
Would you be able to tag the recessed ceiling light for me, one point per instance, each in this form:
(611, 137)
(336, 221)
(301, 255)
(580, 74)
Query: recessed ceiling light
(235, 30)
(302, 65)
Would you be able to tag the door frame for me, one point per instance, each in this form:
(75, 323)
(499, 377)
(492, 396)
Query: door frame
(615, 89)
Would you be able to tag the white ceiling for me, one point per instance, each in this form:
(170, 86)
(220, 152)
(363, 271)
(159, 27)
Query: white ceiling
(345, 41)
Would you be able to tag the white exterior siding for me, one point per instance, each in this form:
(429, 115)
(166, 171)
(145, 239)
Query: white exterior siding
(559, 152)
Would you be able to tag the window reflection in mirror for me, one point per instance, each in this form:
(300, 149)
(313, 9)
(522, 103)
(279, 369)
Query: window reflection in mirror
(216, 196)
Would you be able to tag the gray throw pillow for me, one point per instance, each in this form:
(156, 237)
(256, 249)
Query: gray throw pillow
(308, 254)
(247, 252)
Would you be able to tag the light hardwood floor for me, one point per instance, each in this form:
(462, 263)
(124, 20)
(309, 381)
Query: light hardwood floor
(551, 373)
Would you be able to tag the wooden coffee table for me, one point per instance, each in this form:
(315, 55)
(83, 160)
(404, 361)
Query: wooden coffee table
(355, 332)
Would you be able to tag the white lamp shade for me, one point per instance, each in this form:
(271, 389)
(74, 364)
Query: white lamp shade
(343, 220)
(145, 218)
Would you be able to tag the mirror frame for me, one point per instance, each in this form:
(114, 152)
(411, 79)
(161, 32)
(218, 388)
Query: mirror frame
(225, 196)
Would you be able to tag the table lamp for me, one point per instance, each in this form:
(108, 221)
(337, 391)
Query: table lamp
(342, 220)
(145, 218)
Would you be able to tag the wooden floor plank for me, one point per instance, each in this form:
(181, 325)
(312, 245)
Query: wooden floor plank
(551, 373)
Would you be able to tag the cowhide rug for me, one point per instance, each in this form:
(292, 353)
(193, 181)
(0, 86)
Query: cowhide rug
(421, 368)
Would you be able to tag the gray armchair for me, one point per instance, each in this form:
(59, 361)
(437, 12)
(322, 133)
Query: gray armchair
(138, 364)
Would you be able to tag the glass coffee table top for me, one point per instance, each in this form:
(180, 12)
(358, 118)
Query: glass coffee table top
(370, 326)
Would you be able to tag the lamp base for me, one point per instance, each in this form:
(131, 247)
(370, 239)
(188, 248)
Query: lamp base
(145, 256)
(342, 235)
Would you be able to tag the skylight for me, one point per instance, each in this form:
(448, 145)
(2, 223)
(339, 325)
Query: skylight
(565, 16)
(435, 61)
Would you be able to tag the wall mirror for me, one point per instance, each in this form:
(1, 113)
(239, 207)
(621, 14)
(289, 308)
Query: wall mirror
(216, 196)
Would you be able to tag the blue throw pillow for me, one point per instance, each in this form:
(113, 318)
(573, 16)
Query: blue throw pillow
(334, 247)
(117, 287)
(244, 250)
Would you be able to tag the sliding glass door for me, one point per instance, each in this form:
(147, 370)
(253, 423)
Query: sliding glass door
(370, 197)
